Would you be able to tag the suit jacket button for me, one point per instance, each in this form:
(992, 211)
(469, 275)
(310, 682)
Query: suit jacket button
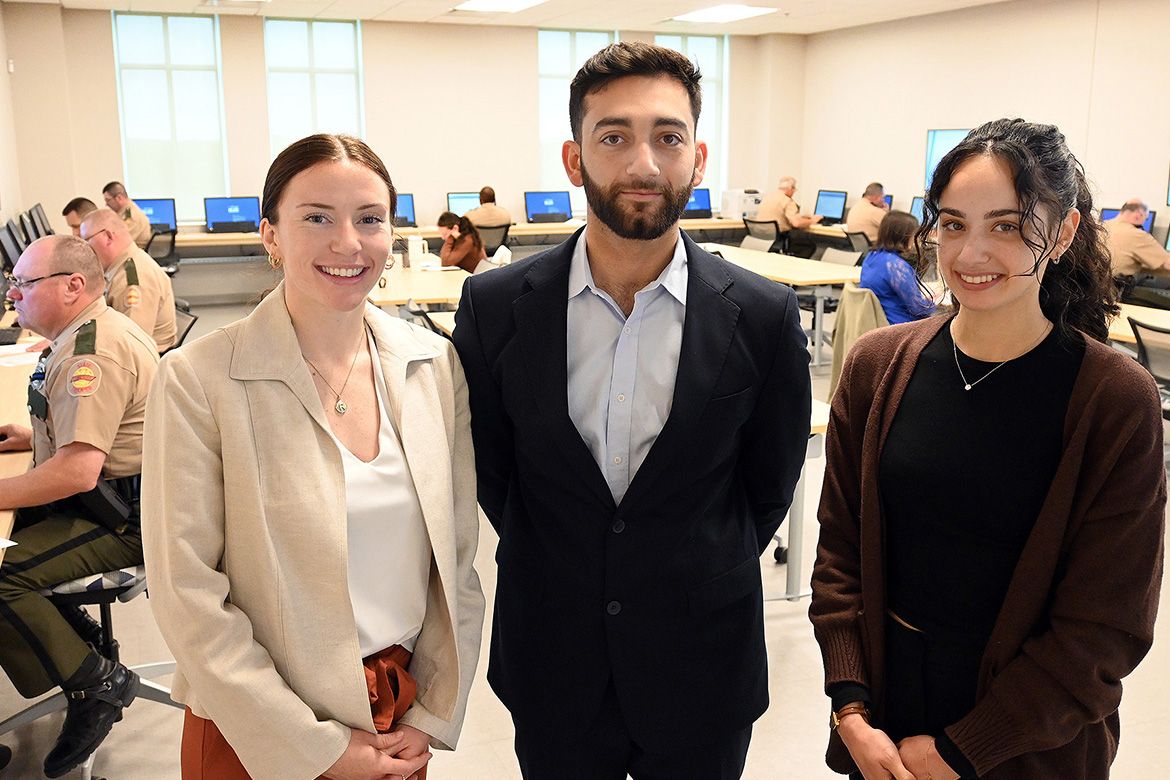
(613, 607)
(619, 526)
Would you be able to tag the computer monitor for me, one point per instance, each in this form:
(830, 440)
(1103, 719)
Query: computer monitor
(160, 212)
(405, 211)
(547, 206)
(938, 143)
(831, 206)
(1168, 240)
(699, 206)
(889, 201)
(232, 215)
(916, 208)
(462, 202)
(1108, 214)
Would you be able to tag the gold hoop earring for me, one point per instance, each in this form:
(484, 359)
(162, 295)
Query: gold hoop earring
(275, 262)
(389, 262)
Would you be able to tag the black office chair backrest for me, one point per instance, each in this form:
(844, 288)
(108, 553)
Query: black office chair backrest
(40, 220)
(493, 236)
(17, 235)
(859, 241)
(768, 229)
(161, 244)
(31, 232)
(184, 321)
(1153, 345)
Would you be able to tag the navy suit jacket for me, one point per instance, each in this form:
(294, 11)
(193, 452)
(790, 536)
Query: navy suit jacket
(662, 592)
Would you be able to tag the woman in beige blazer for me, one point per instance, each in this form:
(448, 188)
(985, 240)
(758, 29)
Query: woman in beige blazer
(268, 559)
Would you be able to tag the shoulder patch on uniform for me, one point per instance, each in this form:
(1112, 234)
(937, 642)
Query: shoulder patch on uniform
(133, 295)
(86, 341)
(84, 378)
(131, 272)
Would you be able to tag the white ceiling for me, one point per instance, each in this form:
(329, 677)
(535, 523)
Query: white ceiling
(800, 17)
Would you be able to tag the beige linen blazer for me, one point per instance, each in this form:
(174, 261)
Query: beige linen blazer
(244, 528)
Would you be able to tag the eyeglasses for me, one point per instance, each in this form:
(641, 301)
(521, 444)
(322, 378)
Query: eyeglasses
(95, 235)
(17, 284)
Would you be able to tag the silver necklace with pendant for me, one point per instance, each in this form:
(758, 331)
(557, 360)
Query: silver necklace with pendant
(968, 385)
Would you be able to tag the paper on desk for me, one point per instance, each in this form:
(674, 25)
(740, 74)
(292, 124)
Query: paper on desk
(6, 543)
(16, 355)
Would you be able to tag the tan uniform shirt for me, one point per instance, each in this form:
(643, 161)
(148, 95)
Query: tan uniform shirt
(150, 303)
(1133, 250)
(865, 217)
(138, 224)
(778, 207)
(96, 378)
(489, 215)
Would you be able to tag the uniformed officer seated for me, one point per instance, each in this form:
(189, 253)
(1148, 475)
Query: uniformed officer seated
(78, 504)
(135, 284)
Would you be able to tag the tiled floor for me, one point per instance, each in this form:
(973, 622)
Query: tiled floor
(788, 741)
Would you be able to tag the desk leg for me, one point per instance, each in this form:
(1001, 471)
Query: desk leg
(818, 325)
(792, 588)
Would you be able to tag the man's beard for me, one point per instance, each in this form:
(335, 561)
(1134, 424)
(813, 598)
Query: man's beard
(643, 221)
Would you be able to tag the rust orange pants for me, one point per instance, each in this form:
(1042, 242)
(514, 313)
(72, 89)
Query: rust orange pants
(206, 755)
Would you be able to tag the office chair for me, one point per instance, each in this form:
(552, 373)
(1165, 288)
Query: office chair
(184, 321)
(858, 312)
(768, 230)
(859, 241)
(1153, 352)
(841, 257)
(161, 247)
(494, 237)
(100, 590)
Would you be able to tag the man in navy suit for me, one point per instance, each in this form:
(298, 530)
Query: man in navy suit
(640, 410)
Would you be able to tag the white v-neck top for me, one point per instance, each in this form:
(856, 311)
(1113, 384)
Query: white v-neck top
(389, 552)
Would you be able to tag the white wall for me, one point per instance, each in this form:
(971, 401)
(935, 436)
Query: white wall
(1099, 69)
(10, 197)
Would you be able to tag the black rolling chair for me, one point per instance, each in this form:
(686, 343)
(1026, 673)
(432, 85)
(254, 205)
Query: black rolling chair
(767, 231)
(184, 321)
(493, 237)
(1153, 352)
(858, 241)
(161, 247)
(100, 590)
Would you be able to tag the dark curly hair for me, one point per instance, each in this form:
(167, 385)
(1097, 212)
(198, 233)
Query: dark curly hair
(1076, 294)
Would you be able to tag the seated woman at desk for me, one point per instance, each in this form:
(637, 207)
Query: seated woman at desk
(462, 245)
(309, 511)
(992, 515)
(887, 272)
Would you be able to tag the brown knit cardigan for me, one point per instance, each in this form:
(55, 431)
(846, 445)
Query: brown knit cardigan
(1079, 612)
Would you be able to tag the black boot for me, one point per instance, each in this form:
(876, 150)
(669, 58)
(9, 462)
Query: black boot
(97, 693)
(83, 623)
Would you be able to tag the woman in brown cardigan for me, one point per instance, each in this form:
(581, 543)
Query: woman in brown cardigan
(462, 245)
(992, 516)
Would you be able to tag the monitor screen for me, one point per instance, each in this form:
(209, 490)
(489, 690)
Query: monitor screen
(232, 215)
(889, 201)
(1168, 241)
(1108, 214)
(462, 202)
(160, 211)
(539, 205)
(830, 205)
(699, 206)
(938, 143)
(916, 208)
(405, 210)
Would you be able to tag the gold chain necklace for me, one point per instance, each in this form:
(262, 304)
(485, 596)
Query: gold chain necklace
(340, 406)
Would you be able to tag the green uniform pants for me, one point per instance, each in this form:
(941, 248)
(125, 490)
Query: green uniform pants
(38, 648)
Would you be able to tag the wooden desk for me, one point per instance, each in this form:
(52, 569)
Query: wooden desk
(13, 408)
(445, 320)
(795, 272)
(419, 285)
(1119, 329)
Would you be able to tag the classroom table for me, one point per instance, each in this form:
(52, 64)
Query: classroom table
(1119, 329)
(423, 282)
(13, 408)
(796, 272)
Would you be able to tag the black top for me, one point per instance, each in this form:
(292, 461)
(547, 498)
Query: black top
(963, 476)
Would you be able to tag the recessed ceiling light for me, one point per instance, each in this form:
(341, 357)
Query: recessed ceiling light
(724, 13)
(497, 6)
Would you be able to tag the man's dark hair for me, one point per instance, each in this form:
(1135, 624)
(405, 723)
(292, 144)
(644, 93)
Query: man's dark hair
(631, 58)
(487, 195)
(81, 206)
(874, 188)
(114, 188)
(1134, 205)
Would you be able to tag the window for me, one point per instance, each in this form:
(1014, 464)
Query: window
(708, 52)
(314, 79)
(561, 54)
(171, 104)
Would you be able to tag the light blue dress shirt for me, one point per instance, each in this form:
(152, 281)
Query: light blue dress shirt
(622, 370)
